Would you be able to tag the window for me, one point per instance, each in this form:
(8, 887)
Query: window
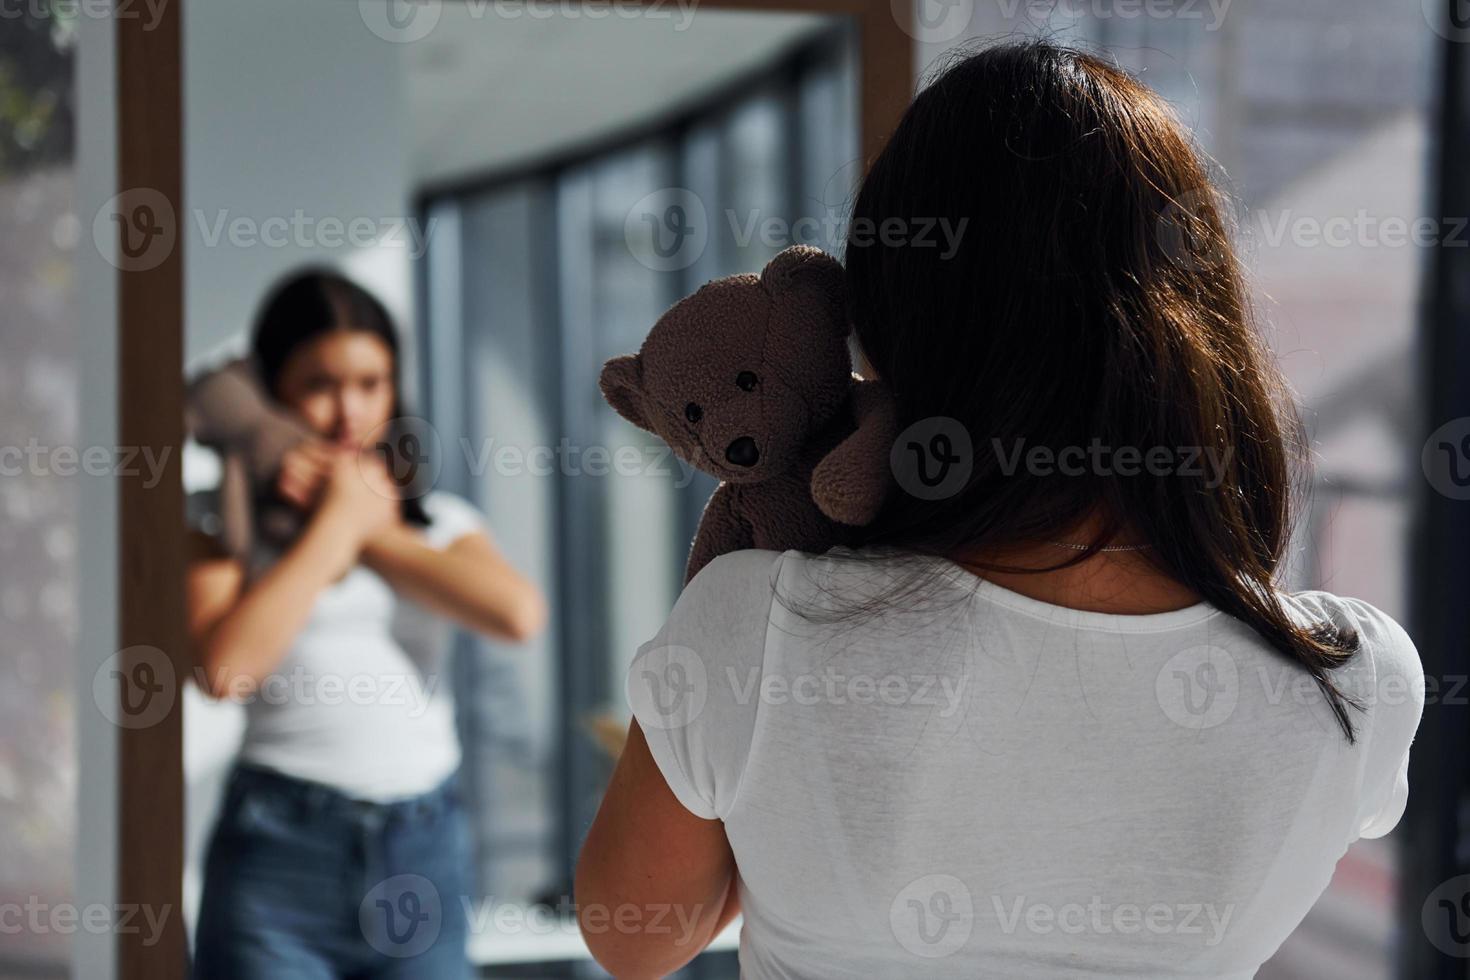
(532, 281)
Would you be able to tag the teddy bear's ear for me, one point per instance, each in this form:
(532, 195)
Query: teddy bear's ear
(622, 385)
(802, 267)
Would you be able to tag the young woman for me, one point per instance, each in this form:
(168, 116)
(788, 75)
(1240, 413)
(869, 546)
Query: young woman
(342, 849)
(1061, 721)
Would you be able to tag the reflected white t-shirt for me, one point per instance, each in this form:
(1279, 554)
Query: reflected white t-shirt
(982, 784)
(361, 701)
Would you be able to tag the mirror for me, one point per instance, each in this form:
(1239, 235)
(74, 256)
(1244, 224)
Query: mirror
(525, 193)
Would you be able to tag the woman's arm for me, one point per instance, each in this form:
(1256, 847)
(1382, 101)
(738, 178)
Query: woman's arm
(239, 634)
(654, 882)
(470, 581)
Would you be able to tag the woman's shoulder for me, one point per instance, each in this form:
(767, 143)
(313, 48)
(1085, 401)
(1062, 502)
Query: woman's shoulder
(732, 584)
(757, 573)
(1384, 646)
(1386, 679)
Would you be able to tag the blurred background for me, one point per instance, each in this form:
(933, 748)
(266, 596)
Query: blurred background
(531, 192)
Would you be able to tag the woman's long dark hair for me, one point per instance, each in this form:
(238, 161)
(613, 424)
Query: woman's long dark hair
(1093, 295)
(315, 301)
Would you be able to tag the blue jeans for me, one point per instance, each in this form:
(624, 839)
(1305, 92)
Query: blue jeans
(304, 883)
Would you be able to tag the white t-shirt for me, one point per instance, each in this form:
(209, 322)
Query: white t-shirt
(361, 700)
(983, 784)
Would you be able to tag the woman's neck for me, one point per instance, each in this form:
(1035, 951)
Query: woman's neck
(1125, 583)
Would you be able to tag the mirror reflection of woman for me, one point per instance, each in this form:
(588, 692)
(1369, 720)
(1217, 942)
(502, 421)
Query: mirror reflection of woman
(343, 848)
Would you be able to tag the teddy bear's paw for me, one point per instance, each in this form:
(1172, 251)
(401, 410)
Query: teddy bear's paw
(846, 495)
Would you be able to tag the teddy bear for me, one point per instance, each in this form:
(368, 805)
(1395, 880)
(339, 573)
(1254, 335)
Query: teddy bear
(227, 409)
(750, 380)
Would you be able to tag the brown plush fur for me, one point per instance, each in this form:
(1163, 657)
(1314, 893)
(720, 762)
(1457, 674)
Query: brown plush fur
(802, 452)
(228, 409)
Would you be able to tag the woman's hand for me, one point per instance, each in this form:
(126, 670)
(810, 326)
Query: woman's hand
(304, 471)
(360, 497)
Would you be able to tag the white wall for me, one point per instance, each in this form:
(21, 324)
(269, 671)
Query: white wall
(289, 107)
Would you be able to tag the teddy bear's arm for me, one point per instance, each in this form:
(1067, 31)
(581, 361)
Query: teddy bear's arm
(229, 408)
(721, 530)
(851, 481)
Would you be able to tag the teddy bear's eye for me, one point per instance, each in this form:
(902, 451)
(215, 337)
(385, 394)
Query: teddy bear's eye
(747, 380)
(693, 412)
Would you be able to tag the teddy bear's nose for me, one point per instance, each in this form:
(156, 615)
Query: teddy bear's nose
(743, 452)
